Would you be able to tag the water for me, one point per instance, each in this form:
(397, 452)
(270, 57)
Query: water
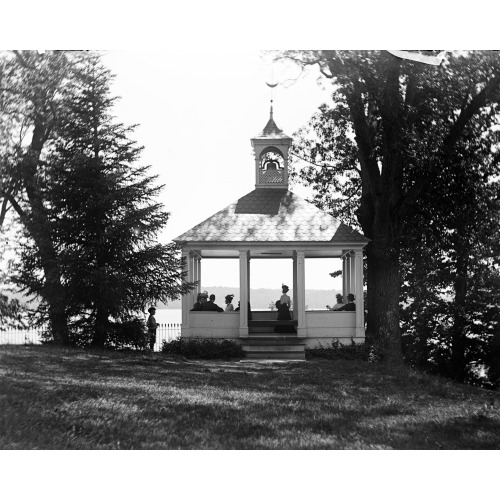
(168, 316)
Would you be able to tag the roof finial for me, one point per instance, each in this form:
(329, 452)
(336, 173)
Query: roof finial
(271, 86)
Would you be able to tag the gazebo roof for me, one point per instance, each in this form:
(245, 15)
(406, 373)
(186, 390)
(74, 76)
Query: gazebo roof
(271, 131)
(272, 215)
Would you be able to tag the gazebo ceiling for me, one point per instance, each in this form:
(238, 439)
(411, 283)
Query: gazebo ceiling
(280, 253)
(271, 222)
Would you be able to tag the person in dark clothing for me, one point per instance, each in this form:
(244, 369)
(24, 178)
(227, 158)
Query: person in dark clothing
(211, 305)
(350, 306)
(200, 300)
(249, 310)
(151, 324)
(283, 306)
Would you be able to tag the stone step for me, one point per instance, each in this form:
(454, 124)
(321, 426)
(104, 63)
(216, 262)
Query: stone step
(273, 347)
(273, 342)
(290, 355)
(272, 323)
(267, 331)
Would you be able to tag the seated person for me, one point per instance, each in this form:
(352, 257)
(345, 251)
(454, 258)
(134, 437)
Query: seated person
(200, 300)
(339, 303)
(249, 310)
(350, 306)
(211, 305)
(229, 306)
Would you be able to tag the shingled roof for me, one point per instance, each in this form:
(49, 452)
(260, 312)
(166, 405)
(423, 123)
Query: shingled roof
(272, 215)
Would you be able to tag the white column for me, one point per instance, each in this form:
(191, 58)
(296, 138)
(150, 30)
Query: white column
(294, 285)
(360, 309)
(344, 277)
(248, 280)
(301, 295)
(243, 293)
(197, 269)
(347, 276)
(186, 299)
(352, 274)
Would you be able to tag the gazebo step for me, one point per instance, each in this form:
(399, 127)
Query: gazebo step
(273, 346)
(266, 332)
(272, 340)
(299, 355)
(272, 323)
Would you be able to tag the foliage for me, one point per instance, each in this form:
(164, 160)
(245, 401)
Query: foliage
(10, 310)
(91, 248)
(33, 96)
(130, 333)
(203, 348)
(336, 350)
(393, 154)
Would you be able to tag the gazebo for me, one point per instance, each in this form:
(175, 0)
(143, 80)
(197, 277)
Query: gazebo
(272, 222)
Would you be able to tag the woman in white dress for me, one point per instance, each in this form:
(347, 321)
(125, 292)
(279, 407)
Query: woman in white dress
(229, 306)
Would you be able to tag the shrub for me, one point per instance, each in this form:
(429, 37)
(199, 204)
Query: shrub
(203, 348)
(130, 333)
(336, 350)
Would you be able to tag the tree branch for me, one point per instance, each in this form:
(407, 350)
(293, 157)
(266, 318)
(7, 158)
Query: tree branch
(14, 203)
(3, 211)
(477, 102)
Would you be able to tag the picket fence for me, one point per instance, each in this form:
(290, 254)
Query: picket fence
(164, 332)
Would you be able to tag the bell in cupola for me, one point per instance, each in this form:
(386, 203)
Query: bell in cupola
(271, 156)
(271, 165)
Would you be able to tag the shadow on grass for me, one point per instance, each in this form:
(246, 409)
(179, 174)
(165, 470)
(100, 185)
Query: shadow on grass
(73, 399)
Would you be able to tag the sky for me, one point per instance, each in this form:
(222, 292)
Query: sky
(197, 111)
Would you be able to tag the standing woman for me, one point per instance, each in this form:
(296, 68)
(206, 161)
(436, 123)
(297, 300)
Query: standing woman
(229, 299)
(284, 312)
(285, 299)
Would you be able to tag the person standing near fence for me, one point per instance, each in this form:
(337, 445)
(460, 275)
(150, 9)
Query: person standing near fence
(152, 325)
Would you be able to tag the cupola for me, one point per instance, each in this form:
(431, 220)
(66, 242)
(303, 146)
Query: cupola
(271, 156)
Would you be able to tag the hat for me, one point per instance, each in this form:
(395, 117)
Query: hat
(151, 309)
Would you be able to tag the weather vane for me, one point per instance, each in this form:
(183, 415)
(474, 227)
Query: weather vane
(271, 86)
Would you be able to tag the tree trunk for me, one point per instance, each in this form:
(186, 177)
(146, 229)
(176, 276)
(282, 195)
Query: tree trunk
(459, 341)
(38, 225)
(383, 289)
(101, 328)
(54, 295)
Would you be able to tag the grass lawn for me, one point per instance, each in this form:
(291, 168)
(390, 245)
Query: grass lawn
(54, 398)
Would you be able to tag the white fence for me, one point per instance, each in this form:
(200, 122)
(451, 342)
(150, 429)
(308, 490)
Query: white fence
(165, 332)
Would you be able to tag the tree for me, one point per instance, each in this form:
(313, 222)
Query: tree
(451, 263)
(32, 96)
(99, 215)
(400, 123)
